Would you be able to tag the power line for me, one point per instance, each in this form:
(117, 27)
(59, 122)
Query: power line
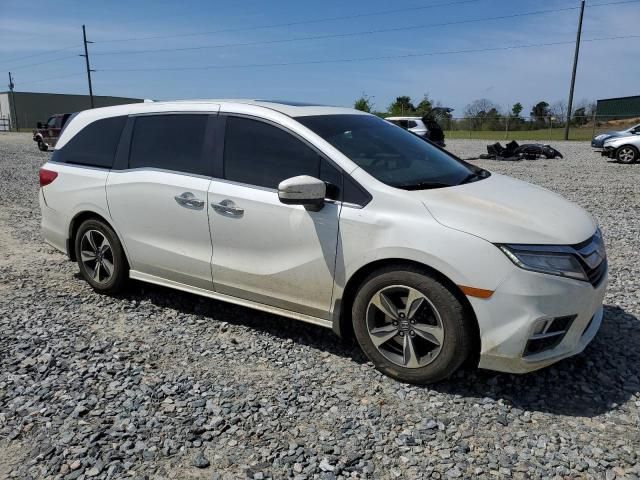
(363, 59)
(48, 52)
(292, 24)
(28, 65)
(52, 78)
(339, 35)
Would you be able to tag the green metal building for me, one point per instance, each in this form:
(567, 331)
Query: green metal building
(619, 108)
(24, 110)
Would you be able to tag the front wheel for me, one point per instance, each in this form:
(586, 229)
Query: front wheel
(627, 154)
(411, 326)
(42, 146)
(100, 257)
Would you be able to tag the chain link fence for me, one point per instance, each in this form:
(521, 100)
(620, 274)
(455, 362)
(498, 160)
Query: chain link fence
(547, 128)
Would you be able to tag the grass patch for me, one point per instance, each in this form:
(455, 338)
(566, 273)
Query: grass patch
(543, 135)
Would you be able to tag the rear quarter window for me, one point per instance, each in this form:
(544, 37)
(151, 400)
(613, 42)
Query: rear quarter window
(172, 142)
(95, 145)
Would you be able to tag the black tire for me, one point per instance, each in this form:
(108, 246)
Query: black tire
(627, 154)
(42, 146)
(114, 257)
(456, 345)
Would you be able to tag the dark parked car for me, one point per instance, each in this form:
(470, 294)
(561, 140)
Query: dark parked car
(47, 134)
(598, 140)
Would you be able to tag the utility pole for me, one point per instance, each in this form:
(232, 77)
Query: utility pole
(575, 69)
(86, 58)
(13, 101)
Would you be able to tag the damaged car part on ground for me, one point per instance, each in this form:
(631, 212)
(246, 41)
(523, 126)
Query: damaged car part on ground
(333, 217)
(513, 151)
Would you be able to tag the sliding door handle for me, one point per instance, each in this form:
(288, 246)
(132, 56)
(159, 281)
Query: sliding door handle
(189, 200)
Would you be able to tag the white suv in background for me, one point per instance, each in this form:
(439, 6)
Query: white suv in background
(413, 124)
(333, 217)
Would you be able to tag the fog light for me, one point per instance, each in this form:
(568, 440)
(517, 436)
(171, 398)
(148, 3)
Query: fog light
(548, 334)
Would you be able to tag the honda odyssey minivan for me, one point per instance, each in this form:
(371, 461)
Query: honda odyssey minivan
(329, 216)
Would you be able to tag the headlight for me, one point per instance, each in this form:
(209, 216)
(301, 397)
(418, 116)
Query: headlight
(545, 259)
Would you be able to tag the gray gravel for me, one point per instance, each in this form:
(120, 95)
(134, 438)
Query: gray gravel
(161, 384)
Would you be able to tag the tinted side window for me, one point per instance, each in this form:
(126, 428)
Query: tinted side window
(412, 124)
(260, 154)
(170, 142)
(95, 145)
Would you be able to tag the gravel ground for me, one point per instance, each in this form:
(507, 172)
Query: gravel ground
(161, 384)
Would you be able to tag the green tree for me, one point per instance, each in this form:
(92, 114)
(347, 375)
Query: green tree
(402, 106)
(539, 113)
(364, 103)
(516, 110)
(425, 107)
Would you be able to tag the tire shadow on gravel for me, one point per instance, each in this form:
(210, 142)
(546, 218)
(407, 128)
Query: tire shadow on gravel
(603, 377)
(283, 328)
(600, 379)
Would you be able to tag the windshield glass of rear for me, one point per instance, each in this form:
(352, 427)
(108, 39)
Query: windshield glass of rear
(387, 152)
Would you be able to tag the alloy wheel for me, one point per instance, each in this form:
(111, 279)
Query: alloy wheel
(405, 326)
(626, 155)
(97, 256)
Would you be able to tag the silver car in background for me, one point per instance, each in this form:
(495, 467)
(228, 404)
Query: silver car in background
(623, 149)
(599, 140)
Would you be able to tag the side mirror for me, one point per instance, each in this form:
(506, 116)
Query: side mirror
(303, 190)
(39, 125)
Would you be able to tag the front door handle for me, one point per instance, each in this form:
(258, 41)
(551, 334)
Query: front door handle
(228, 208)
(189, 200)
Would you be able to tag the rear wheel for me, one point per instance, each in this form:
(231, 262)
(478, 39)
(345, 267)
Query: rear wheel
(100, 257)
(411, 326)
(627, 154)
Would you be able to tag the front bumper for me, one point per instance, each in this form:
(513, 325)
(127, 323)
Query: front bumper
(510, 317)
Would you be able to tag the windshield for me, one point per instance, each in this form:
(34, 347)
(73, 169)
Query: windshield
(390, 154)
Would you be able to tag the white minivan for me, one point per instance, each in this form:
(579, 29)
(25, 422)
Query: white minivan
(330, 216)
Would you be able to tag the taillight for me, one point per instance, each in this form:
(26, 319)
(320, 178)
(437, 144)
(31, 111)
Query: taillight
(47, 176)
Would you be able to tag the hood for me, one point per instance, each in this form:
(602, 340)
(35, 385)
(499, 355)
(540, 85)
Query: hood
(620, 133)
(501, 209)
(618, 140)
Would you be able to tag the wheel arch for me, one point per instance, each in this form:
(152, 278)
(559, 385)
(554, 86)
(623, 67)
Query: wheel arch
(630, 145)
(343, 325)
(75, 223)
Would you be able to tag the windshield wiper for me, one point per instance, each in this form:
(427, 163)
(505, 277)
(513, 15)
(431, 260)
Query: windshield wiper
(474, 176)
(422, 185)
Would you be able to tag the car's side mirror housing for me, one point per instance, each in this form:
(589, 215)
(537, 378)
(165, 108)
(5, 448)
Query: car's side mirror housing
(303, 190)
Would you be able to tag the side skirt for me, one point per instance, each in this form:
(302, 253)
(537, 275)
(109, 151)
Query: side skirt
(144, 277)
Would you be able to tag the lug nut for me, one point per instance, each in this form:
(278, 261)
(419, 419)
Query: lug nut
(413, 322)
(412, 333)
(395, 323)
(402, 334)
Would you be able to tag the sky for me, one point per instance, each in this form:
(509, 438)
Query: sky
(415, 30)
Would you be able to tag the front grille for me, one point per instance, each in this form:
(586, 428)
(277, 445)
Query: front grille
(593, 257)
